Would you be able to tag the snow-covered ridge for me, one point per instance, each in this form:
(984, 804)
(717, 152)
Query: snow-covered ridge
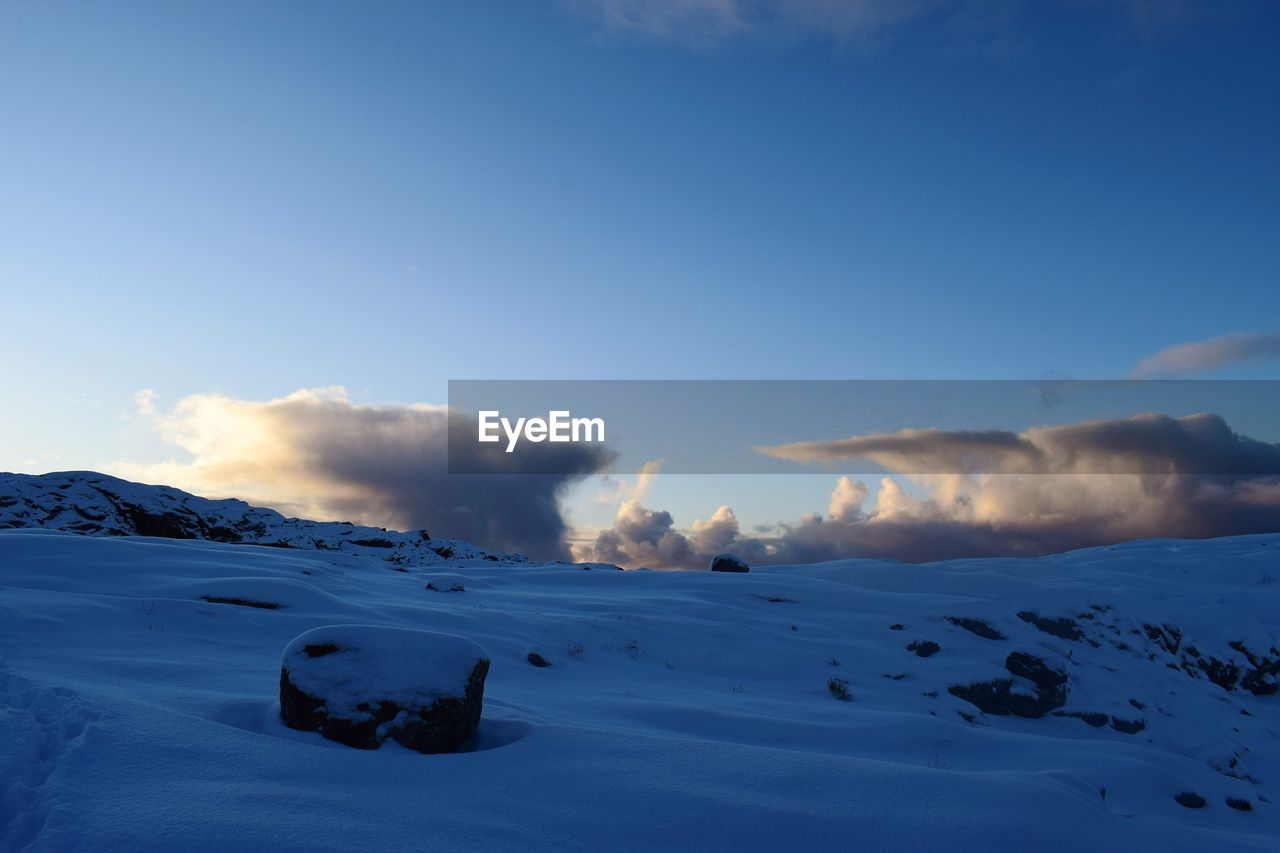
(95, 504)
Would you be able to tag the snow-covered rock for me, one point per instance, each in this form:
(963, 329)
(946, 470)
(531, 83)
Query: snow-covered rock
(363, 685)
(100, 505)
(728, 563)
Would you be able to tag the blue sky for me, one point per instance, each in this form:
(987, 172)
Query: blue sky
(255, 198)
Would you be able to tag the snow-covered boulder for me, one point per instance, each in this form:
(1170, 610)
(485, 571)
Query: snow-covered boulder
(363, 685)
(728, 563)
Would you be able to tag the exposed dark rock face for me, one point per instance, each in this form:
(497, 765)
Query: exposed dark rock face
(1067, 629)
(999, 697)
(1165, 636)
(172, 525)
(1034, 670)
(240, 602)
(1236, 667)
(1225, 674)
(728, 563)
(374, 543)
(1098, 720)
(976, 626)
(538, 660)
(1094, 718)
(1257, 673)
(1128, 727)
(1260, 678)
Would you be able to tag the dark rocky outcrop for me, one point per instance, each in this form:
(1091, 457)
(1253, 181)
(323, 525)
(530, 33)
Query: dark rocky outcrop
(1165, 636)
(976, 626)
(1096, 719)
(1128, 727)
(998, 696)
(1225, 674)
(1260, 678)
(374, 542)
(240, 602)
(923, 648)
(1067, 629)
(1035, 670)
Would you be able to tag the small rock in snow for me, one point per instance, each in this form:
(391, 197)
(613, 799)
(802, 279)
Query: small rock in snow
(923, 648)
(1190, 800)
(728, 563)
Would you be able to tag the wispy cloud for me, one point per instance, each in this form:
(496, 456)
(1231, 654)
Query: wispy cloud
(1210, 354)
(616, 490)
(666, 19)
(145, 402)
(1154, 443)
(703, 20)
(700, 21)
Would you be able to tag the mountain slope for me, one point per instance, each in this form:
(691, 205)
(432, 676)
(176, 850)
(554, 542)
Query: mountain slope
(95, 504)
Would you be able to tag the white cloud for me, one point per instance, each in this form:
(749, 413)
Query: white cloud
(315, 454)
(1210, 354)
(1060, 488)
(846, 500)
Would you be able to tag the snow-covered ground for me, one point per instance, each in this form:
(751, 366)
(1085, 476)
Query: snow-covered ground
(681, 710)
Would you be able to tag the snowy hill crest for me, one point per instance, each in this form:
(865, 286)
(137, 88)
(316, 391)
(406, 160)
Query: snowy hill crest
(95, 504)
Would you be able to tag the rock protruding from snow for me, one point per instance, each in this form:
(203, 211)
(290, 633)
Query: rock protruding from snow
(728, 563)
(364, 685)
(1001, 695)
(99, 505)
